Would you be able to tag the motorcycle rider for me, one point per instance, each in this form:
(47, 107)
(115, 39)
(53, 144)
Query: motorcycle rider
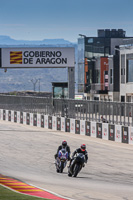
(63, 146)
(83, 150)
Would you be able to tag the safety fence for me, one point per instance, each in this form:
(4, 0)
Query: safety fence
(97, 111)
(106, 131)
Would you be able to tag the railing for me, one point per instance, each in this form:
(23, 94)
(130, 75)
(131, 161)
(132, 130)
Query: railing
(99, 111)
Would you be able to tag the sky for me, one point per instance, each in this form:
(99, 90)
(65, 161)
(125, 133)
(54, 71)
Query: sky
(54, 19)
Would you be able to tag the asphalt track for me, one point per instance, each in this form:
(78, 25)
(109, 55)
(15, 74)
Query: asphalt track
(27, 154)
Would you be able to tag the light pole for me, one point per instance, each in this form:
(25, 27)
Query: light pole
(39, 84)
(34, 81)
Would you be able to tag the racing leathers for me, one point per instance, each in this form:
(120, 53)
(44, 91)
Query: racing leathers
(80, 151)
(67, 148)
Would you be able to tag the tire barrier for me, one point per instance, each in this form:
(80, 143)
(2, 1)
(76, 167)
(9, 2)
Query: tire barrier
(105, 131)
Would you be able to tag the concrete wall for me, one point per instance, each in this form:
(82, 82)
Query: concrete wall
(105, 131)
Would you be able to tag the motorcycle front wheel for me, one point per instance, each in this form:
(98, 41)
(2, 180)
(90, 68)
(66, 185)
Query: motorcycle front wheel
(61, 167)
(76, 170)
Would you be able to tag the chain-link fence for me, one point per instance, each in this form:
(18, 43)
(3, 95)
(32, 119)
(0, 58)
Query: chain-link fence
(99, 111)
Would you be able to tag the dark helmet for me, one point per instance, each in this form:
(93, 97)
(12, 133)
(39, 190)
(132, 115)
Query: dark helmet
(83, 147)
(64, 143)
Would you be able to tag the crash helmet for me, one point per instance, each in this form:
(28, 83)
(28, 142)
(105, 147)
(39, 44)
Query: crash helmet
(64, 144)
(83, 147)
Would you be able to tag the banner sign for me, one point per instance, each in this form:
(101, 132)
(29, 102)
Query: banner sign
(63, 124)
(124, 134)
(7, 113)
(50, 122)
(38, 120)
(93, 129)
(77, 126)
(18, 116)
(15, 116)
(72, 125)
(28, 119)
(38, 57)
(42, 121)
(130, 135)
(105, 130)
(46, 121)
(24, 118)
(12, 116)
(99, 130)
(54, 123)
(31, 119)
(118, 135)
(82, 127)
(4, 114)
(67, 125)
(58, 123)
(87, 128)
(112, 132)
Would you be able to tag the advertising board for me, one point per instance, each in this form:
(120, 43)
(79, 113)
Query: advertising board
(93, 129)
(46, 121)
(72, 125)
(82, 127)
(105, 131)
(38, 57)
(63, 125)
(130, 135)
(118, 131)
(99, 130)
(54, 123)
(18, 116)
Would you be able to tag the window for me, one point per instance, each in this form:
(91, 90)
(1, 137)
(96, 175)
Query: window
(111, 76)
(97, 76)
(129, 70)
(90, 40)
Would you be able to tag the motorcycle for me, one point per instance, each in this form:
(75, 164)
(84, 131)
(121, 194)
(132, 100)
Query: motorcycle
(61, 160)
(76, 165)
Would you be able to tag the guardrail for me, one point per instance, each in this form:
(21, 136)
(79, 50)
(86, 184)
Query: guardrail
(98, 111)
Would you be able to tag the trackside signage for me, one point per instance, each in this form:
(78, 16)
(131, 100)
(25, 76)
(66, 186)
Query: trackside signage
(37, 57)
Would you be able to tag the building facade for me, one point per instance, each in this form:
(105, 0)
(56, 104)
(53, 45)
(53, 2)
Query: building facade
(98, 64)
(126, 73)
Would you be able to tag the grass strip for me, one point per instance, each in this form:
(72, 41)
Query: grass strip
(7, 194)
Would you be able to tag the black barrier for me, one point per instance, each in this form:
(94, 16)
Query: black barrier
(42, 121)
(9, 115)
(28, 118)
(77, 126)
(58, 123)
(21, 117)
(99, 130)
(34, 119)
(87, 128)
(67, 125)
(4, 115)
(50, 122)
(15, 116)
(125, 134)
(112, 132)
